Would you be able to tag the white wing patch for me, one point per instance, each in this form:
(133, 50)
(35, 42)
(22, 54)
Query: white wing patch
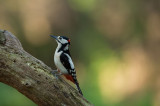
(70, 61)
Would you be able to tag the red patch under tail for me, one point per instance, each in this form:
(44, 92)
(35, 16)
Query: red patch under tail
(69, 77)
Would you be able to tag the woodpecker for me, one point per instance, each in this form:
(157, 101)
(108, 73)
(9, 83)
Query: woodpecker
(63, 60)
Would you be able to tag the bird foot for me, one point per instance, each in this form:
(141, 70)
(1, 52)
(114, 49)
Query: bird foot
(56, 73)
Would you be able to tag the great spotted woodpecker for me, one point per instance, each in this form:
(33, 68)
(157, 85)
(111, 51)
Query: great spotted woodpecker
(63, 61)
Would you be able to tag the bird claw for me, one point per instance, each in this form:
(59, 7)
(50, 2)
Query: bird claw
(56, 73)
(56, 76)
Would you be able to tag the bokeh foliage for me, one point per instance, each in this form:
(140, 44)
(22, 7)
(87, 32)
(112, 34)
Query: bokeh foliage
(114, 45)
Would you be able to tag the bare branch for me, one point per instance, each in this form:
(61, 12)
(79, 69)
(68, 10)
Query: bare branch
(32, 77)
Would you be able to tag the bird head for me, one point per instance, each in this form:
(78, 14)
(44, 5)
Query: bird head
(61, 40)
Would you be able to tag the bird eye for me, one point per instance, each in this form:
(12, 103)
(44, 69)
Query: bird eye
(60, 38)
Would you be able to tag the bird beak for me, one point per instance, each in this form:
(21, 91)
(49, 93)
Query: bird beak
(55, 37)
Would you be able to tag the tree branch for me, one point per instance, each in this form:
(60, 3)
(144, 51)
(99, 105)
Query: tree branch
(32, 77)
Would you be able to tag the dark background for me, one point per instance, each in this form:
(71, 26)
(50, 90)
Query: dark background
(114, 46)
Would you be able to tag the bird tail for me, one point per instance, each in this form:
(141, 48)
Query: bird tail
(77, 85)
(75, 81)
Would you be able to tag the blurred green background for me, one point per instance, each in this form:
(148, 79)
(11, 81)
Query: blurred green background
(114, 45)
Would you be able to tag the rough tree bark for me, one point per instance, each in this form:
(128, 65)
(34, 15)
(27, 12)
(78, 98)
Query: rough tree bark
(32, 77)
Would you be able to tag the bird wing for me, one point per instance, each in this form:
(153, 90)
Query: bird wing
(67, 62)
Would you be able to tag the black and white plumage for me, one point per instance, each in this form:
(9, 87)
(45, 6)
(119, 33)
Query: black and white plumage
(63, 60)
